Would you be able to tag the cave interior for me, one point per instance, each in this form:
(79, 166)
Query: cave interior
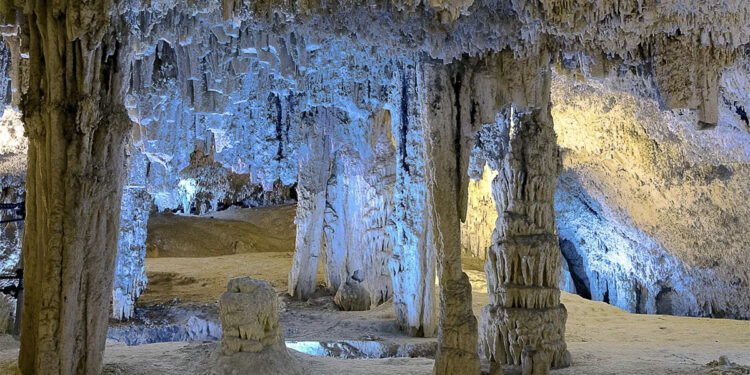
(375, 187)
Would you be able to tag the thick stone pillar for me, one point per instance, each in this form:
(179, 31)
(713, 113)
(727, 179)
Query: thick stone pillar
(76, 126)
(524, 314)
(457, 334)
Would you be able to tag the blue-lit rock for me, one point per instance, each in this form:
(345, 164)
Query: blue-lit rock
(12, 189)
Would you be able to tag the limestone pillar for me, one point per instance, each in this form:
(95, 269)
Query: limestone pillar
(314, 172)
(413, 261)
(524, 314)
(76, 126)
(457, 334)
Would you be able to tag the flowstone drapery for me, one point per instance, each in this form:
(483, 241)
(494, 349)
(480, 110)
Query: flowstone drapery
(413, 262)
(130, 269)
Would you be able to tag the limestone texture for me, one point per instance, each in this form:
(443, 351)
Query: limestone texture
(77, 127)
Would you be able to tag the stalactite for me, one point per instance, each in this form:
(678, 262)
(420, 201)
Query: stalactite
(130, 269)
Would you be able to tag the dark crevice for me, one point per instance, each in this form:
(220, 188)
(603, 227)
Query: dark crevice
(641, 298)
(404, 128)
(664, 303)
(275, 100)
(457, 84)
(605, 297)
(576, 267)
(742, 113)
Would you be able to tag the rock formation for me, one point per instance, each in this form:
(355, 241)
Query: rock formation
(413, 260)
(12, 190)
(523, 264)
(627, 205)
(252, 338)
(457, 333)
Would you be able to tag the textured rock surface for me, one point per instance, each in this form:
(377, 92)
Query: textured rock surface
(249, 312)
(481, 215)
(621, 237)
(252, 339)
(652, 205)
(457, 333)
(413, 261)
(12, 189)
(523, 264)
(77, 127)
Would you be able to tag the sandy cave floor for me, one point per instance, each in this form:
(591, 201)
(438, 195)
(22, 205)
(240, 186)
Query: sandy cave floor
(602, 339)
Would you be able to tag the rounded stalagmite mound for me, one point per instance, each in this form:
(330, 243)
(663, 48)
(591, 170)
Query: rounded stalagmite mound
(252, 339)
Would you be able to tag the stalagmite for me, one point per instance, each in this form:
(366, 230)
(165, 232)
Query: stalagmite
(77, 127)
(457, 335)
(524, 314)
(252, 340)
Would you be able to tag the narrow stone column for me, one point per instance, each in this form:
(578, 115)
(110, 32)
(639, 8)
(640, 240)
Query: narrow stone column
(77, 127)
(524, 314)
(457, 334)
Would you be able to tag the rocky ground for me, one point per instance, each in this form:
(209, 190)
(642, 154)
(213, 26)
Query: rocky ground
(183, 291)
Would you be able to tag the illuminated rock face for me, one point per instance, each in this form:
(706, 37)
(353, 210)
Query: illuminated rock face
(619, 238)
(650, 203)
(11, 191)
(413, 261)
(130, 269)
(481, 215)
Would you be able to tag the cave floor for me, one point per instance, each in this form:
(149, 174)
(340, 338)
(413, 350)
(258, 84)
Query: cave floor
(602, 339)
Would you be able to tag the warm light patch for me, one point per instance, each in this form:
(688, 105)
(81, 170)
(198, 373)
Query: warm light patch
(12, 139)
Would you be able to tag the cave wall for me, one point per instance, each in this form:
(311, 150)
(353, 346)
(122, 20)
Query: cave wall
(653, 201)
(234, 101)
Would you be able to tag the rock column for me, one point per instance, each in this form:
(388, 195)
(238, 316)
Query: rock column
(76, 127)
(457, 334)
(524, 314)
